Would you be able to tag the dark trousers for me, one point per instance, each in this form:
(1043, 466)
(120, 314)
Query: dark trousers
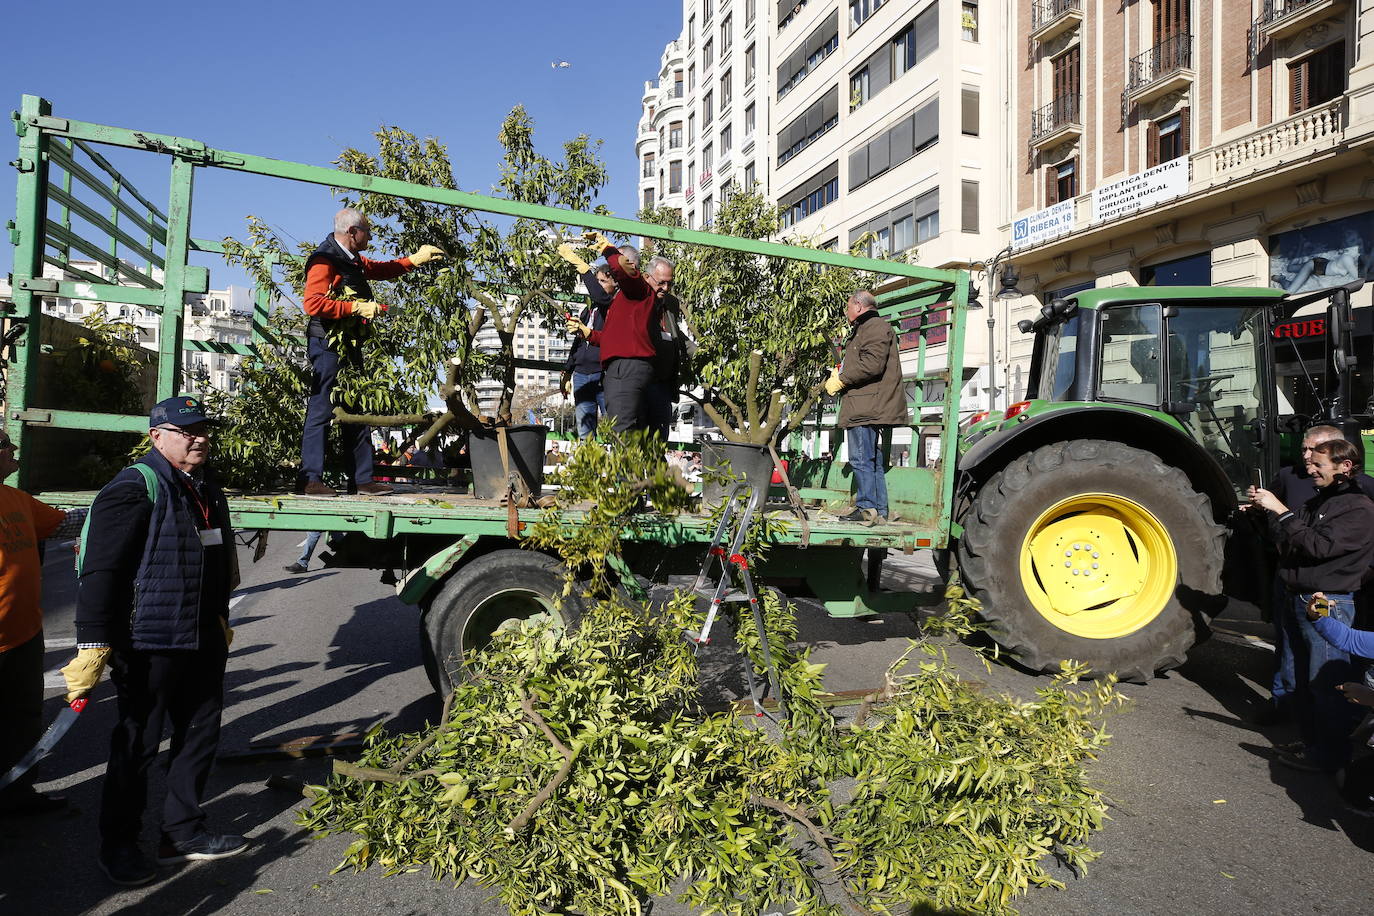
(183, 689)
(1325, 717)
(662, 398)
(626, 382)
(319, 410)
(21, 707)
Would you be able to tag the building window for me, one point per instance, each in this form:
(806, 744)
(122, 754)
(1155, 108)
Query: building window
(912, 44)
(648, 165)
(911, 223)
(727, 28)
(708, 215)
(708, 55)
(691, 220)
(969, 206)
(818, 191)
(819, 117)
(1319, 77)
(969, 21)
(903, 140)
(750, 60)
(1195, 270)
(787, 11)
(748, 13)
(860, 10)
(726, 136)
(970, 112)
(691, 31)
(707, 109)
(707, 8)
(749, 120)
(819, 45)
(691, 128)
(749, 176)
(675, 135)
(707, 158)
(725, 87)
(648, 198)
(675, 177)
(691, 77)
(1167, 139)
(1061, 181)
(677, 84)
(691, 176)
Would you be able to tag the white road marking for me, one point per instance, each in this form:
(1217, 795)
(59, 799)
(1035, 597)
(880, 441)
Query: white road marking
(1235, 635)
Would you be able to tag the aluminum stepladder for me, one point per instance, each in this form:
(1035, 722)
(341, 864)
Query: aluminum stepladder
(741, 505)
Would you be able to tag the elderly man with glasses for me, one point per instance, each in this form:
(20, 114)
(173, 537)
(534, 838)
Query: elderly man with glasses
(154, 577)
(24, 521)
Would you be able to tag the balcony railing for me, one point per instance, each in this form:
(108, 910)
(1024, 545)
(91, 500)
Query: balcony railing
(1169, 56)
(1285, 18)
(1048, 119)
(1044, 12)
(1292, 140)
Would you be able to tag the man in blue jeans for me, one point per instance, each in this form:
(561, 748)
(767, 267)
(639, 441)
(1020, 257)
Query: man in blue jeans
(874, 400)
(582, 373)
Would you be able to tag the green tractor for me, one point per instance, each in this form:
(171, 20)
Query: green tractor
(1094, 517)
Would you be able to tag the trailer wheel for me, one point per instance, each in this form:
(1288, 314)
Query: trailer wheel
(492, 592)
(1094, 551)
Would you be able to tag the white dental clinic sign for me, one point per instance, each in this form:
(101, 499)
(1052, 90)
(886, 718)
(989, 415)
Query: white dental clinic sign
(1042, 225)
(1136, 192)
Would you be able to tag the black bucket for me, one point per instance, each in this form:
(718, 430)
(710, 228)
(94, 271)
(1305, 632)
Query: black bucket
(526, 449)
(752, 463)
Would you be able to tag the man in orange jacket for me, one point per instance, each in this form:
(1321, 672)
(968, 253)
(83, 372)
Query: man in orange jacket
(334, 267)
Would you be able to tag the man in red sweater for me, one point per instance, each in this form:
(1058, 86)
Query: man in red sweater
(334, 267)
(626, 341)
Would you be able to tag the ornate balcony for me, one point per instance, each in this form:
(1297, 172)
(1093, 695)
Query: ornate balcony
(1277, 145)
(1056, 122)
(1285, 18)
(1052, 18)
(1162, 69)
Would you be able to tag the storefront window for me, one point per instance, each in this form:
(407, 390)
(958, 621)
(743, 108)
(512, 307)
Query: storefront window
(1195, 270)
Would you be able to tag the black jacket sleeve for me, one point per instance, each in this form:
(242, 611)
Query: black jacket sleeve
(109, 561)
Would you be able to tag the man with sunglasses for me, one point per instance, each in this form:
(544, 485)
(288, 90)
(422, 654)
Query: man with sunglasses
(336, 291)
(156, 569)
(24, 521)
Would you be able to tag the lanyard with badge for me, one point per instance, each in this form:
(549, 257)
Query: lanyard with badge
(209, 537)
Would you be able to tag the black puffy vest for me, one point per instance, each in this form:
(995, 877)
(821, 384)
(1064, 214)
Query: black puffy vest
(350, 274)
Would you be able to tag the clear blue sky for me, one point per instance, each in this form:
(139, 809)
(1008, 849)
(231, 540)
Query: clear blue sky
(301, 81)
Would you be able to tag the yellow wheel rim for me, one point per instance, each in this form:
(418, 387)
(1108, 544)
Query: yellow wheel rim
(1098, 566)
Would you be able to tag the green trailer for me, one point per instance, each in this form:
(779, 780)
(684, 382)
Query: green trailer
(457, 555)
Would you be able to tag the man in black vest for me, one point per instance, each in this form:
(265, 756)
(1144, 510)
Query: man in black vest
(156, 568)
(337, 266)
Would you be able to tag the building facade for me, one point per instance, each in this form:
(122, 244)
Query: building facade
(532, 386)
(1184, 142)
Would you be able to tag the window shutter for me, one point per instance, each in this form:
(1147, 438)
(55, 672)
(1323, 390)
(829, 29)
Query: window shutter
(1151, 145)
(970, 206)
(1076, 182)
(1184, 130)
(1051, 186)
(1297, 99)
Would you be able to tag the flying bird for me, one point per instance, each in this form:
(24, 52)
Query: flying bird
(560, 64)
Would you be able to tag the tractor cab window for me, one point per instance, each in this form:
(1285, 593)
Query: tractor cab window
(1131, 358)
(1057, 360)
(1216, 358)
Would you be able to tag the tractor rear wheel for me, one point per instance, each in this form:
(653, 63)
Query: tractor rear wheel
(1093, 551)
(493, 592)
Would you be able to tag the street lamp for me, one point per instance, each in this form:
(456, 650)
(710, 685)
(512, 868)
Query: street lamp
(1008, 290)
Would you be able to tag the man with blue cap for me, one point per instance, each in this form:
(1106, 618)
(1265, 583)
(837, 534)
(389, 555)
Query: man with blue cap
(156, 568)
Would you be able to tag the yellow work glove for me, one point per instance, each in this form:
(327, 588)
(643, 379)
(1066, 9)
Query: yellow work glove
(833, 384)
(575, 325)
(599, 240)
(83, 672)
(426, 254)
(566, 386)
(569, 254)
(366, 309)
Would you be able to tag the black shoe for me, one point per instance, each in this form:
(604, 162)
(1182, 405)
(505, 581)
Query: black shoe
(126, 865)
(201, 847)
(1300, 760)
(294, 568)
(857, 515)
(26, 802)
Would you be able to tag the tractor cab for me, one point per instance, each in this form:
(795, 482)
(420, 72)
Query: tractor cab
(1196, 358)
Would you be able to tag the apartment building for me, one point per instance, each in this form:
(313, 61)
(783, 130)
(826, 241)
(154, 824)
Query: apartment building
(1175, 142)
(877, 119)
(534, 342)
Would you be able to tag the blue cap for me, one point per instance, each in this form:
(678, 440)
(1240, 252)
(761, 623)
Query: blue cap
(182, 410)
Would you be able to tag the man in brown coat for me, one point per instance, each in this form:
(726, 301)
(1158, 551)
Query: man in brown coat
(874, 399)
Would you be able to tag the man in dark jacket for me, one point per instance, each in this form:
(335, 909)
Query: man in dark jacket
(1325, 545)
(582, 372)
(155, 573)
(672, 346)
(874, 400)
(336, 269)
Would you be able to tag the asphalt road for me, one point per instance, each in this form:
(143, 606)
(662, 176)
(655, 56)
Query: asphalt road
(1202, 820)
